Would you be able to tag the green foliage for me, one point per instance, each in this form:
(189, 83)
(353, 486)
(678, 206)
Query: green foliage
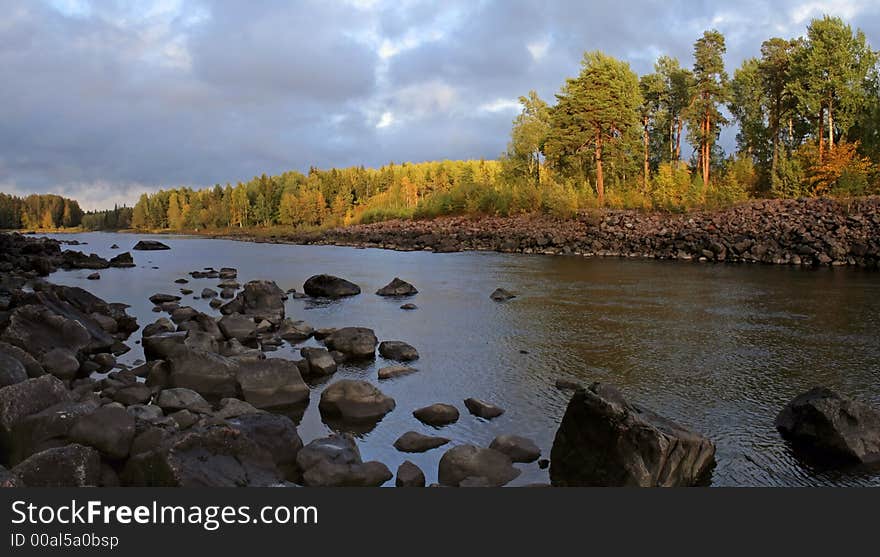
(39, 211)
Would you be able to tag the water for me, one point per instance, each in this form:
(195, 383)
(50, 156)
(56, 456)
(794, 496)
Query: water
(718, 348)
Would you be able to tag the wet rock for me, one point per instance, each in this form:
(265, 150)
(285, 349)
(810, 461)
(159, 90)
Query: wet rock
(604, 440)
(184, 419)
(69, 466)
(172, 400)
(568, 385)
(38, 330)
(181, 281)
(397, 287)
(414, 442)
(209, 293)
(234, 285)
(398, 350)
(207, 373)
(274, 433)
(437, 415)
(61, 363)
(123, 260)
(114, 246)
(356, 401)
(260, 299)
(28, 397)
(238, 326)
(272, 383)
(94, 276)
(409, 475)
(295, 331)
(31, 365)
(391, 372)
(519, 449)
(12, 371)
(502, 295)
(319, 361)
(107, 429)
(355, 342)
(159, 299)
(328, 286)
(821, 423)
(335, 461)
(161, 325)
(150, 245)
(482, 409)
(467, 461)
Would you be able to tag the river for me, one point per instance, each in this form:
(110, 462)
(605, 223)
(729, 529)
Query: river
(720, 348)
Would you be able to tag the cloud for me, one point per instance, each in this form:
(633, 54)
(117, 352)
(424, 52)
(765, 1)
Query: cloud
(105, 100)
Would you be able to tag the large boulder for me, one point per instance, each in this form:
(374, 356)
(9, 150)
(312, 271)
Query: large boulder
(276, 434)
(604, 440)
(821, 423)
(47, 429)
(209, 374)
(260, 299)
(328, 286)
(69, 466)
(30, 364)
(219, 456)
(12, 371)
(397, 287)
(355, 401)
(61, 363)
(239, 327)
(398, 350)
(318, 361)
(28, 397)
(149, 245)
(159, 346)
(38, 330)
(464, 462)
(109, 429)
(355, 342)
(335, 461)
(161, 325)
(174, 400)
(272, 383)
(123, 260)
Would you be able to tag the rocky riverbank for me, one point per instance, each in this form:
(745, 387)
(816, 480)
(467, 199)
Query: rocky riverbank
(786, 232)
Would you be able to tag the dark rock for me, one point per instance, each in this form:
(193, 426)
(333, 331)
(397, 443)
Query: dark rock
(123, 260)
(38, 330)
(260, 299)
(215, 303)
(69, 466)
(274, 433)
(604, 440)
(519, 449)
(272, 383)
(397, 287)
(138, 393)
(502, 295)
(328, 286)
(28, 397)
(295, 331)
(12, 371)
(209, 293)
(409, 475)
(164, 298)
(414, 442)
(398, 350)
(161, 325)
(233, 408)
(467, 461)
(355, 342)
(390, 372)
(105, 361)
(209, 374)
(335, 461)
(482, 409)
(61, 363)
(353, 400)
(409, 307)
(227, 294)
(109, 430)
(31, 365)
(567, 384)
(822, 423)
(181, 281)
(159, 346)
(544, 463)
(8, 479)
(437, 415)
(321, 334)
(46, 429)
(319, 361)
(94, 276)
(172, 400)
(150, 245)
(146, 413)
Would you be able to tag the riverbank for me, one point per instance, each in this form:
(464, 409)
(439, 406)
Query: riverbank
(788, 232)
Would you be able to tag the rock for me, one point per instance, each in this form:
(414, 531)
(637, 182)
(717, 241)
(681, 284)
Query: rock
(161, 325)
(467, 461)
(69, 466)
(182, 314)
(398, 350)
(335, 461)
(355, 342)
(274, 433)
(139, 393)
(272, 383)
(159, 299)
(321, 334)
(397, 287)
(209, 293)
(229, 284)
(238, 326)
(94, 276)
(145, 413)
(519, 449)
(260, 300)
(181, 281)
(604, 440)
(38, 330)
(227, 294)
(150, 245)
(233, 408)
(437, 414)
(184, 419)
(160, 346)
(409, 475)
(328, 286)
(215, 303)
(390, 372)
(46, 429)
(355, 401)
(105, 361)
(219, 456)
(482, 409)
(123, 260)
(414, 442)
(12, 371)
(502, 295)
(8, 479)
(201, 340)
(114, 246)
(409, 307)
(319, 361)
(28, 397)
(209, 374)
(172, 400)
(228, 273)
(567, 384)
(109, 430)
(61, 363)
(295, 331)
(822, 423)
(31, 365)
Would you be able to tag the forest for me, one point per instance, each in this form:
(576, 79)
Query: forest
(39, 211)
(806, 111)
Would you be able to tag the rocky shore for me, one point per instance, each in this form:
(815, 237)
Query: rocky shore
(786, 232)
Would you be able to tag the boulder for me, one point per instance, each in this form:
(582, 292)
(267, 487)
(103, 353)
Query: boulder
(519, 449)
(328, 286)
(409, 307)
(391, 372)
(109, 430)
(238, 326)
(61, 363)
(207, 373)
(209, 293)
(46, 429)
(233, 408)
(274, 433)
(272, 383)
(172, 400)
(335, 461)
(414, 442)
(201, 340)
(482, 409)
(604, 440)
(295, 331)
(159, 346)
(29, 397)
(437, 415)
(398, 350)
(31, 365)
(409, 475)
(150, 245)
(37, 330)
(467, 461)
(69, 466)
(260, 300)
(12, 371)
(502, 295)
(821, 423)
(319, 362)
(94, 276)
(139, 393)
(8, 479)
(160, 298)
(397, 287)
(355, 342)
(219, 456)
(145, 413)
(182, 314)
(355, 401)
(123, 260)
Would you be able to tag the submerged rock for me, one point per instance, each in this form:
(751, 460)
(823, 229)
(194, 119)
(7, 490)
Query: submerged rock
(483, 409)
(354, 400)
(487, 466)
(328, 286)
(519, 449)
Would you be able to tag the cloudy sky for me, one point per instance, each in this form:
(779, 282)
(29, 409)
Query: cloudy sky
(102, 100)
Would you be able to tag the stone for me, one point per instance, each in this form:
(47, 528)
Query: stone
(519, 449)
(145, 413)
(391, 372)
(409, 475)
(150, 245)
(30, 364)
(68, 466)
(482, 409)
(28, 397)
(61, 363)
(233, 408)
(328, 286)
(272, 383)
(437, 415)
(139, 393)
(274, 433)
(353, 400)
(502, 295)
(398, 350)
(46, 429)
(295, 331)
(38, 330)
(172, 400)
(319, 361)
(260, 300)
(160, 298)
(209, 293)
(335, 461)
(207, 373)
(414, 442)
(409, 307)
(107, 429)
(123, 260)
(355, 342)
(467, 461)
(159, 346)
(12, 371)
(397, 287)
(94, 276)
(604, 440)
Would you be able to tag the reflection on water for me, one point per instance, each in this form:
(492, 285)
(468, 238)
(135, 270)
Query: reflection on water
(719, 348)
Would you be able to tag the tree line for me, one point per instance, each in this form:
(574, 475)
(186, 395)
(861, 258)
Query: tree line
(38, 211)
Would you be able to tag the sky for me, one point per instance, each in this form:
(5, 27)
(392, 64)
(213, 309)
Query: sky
(105, 100)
